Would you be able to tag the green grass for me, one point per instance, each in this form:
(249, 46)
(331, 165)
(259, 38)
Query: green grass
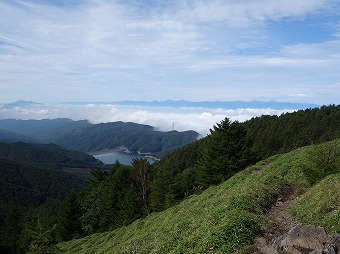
(221, 219)
(320, 205)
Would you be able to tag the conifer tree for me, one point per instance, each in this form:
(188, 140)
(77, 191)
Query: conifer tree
(225, 152)
(163, 190)
(69, 218)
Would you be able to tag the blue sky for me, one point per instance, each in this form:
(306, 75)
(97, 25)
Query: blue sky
(198, 50)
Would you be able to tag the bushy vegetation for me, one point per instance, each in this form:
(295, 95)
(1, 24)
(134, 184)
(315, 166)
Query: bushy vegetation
(222, 218)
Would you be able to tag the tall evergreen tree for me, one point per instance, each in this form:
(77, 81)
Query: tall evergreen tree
(226, 151)
(119, 201)
(163, 190)
(110, 201)
(69, 218)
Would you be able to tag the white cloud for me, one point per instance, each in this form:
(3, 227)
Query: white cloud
(298, 95)
(198, 119)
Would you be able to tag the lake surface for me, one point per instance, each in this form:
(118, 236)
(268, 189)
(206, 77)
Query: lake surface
(123, 158)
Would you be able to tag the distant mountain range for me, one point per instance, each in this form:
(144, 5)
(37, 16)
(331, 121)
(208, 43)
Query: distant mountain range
(182, 103)
(20, 103)
(210, 104)
(38, 131)
(86, 137)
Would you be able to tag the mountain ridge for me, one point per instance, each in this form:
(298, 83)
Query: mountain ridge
(86, 137)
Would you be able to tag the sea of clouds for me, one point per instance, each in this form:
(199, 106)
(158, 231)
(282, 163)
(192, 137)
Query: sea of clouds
(162, 118)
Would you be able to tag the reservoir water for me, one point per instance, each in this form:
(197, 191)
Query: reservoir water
(123, 158)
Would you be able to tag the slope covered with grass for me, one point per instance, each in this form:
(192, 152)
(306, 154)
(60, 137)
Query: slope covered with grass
(226, 217)
(320, 205)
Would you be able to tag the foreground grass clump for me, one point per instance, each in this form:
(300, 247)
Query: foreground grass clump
(221, 219)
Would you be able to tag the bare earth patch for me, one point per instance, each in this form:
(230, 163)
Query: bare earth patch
(278, 214)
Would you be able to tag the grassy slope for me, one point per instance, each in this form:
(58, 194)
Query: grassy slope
(221, 219)
(320, 204)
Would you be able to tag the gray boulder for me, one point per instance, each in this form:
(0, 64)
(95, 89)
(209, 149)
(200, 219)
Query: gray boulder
(307, 239)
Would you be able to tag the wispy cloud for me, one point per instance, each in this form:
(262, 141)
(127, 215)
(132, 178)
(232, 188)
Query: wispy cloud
(241, 13)
(112, 50)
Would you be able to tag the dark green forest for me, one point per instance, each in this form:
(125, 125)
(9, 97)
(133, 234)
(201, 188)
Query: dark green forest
(32, 185)
(118, 196)
(26, 193)
(280, 134)
(48, 154)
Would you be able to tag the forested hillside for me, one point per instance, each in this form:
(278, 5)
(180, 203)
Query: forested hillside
(86, 137)
(228, 217)
(42, 130)
(12, 137)
(135, 137)
(273, 134)
(46, 154)
(26, 185)
(24, 191)
(33, 182)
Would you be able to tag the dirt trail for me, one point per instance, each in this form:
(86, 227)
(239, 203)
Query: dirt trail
(278, 214)
(280, 222)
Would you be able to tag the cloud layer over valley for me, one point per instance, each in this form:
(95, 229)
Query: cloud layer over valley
(163, 118)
